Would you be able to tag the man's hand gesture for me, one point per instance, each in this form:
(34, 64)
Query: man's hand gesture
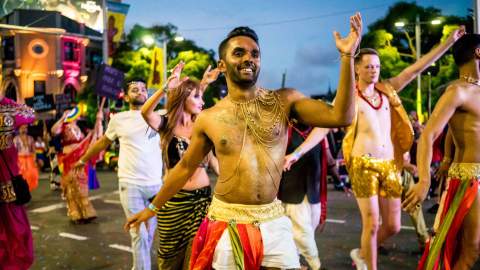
(349, 44)
(136, 220)
(415, 196)
(456, 34)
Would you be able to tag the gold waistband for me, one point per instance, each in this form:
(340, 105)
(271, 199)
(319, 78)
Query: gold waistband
(464, 171)
(243, 213)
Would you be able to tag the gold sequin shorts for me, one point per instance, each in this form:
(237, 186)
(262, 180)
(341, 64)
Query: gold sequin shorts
(372, 176)
(244, 214)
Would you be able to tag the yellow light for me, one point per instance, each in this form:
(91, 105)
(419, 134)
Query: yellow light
(436, 22)
(400, 24)
(148, 40)
(59, 73)
(179, 39)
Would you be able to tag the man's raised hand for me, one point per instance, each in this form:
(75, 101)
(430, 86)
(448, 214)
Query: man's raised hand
(350, 43)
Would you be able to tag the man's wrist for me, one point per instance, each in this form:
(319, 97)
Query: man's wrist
(446, 160)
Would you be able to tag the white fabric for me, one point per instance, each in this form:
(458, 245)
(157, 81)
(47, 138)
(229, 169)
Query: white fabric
(305, 218)
(279, 250)
(140, 159)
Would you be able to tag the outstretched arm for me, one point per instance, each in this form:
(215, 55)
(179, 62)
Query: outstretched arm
(154, 120)
(319, 114)
(446, 106)
(177, 177)
(407, 75)
(94, 149)
(314, 138)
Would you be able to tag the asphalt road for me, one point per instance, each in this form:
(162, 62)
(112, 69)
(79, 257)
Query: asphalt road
(103, 244)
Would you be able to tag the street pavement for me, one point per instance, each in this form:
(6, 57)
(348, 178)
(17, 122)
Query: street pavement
(103, 244)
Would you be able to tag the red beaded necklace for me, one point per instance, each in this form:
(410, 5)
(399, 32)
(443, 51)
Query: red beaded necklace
(368, 99)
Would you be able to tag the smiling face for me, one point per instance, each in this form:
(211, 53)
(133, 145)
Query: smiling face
(137, 93)
(194, 103)
(368, 68)
(241, 63)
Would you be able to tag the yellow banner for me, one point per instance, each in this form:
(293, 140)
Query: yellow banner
(156, 78)
(116, 15)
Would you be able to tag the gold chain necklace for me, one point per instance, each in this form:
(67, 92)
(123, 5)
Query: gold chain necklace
(264, 119)
(471, 80)
(264, 116)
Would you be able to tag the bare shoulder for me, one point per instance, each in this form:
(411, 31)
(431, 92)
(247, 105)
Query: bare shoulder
(289, 95)
(208, 115)
(458, 90)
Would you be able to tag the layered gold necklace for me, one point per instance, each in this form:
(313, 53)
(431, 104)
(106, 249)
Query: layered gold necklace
(264, 116)
(265, 120)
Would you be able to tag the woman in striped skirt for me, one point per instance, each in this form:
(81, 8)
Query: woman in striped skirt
(179, 219)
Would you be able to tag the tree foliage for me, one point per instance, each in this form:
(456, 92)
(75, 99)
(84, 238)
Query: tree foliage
(134, 58)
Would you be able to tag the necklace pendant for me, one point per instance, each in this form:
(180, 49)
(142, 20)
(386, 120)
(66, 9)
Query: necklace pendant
(471, 80)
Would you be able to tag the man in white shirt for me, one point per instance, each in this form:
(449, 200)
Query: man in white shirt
(139, 167)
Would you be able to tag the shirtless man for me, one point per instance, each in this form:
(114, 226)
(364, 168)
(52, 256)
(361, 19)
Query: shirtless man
(374, 145)
(248, 130)
(457, 238)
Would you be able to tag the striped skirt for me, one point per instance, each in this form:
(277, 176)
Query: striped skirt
(179, 219)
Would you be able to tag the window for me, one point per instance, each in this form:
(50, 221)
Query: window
(70, 50)
(8, 48)
(39, 88)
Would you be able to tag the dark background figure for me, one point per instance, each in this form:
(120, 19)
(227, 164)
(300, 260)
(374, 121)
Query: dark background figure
(300, 190)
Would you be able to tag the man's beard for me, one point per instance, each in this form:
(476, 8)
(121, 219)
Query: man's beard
(235, 76)
(137, 102)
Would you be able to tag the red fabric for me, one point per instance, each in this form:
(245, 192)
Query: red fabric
(423, 260)
(16, 246)
(204, 244)
(437, 154)
(323, 182)
(450, 249)
(208, 235)
(68, 160)
(252, 245)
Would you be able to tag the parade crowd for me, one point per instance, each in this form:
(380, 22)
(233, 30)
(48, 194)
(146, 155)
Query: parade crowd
(273, 152)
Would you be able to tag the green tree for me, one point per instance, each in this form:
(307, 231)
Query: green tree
(134, 58)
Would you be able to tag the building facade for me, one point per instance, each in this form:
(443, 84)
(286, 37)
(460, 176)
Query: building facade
(44, 52)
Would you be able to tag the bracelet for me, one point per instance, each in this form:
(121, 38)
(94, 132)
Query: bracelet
(347, 55)
(297, 154)
(152, 207)
(446, 160)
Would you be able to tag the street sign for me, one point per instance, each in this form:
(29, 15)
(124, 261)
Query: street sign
(109, 82)
(41, 103)
(63, 102)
